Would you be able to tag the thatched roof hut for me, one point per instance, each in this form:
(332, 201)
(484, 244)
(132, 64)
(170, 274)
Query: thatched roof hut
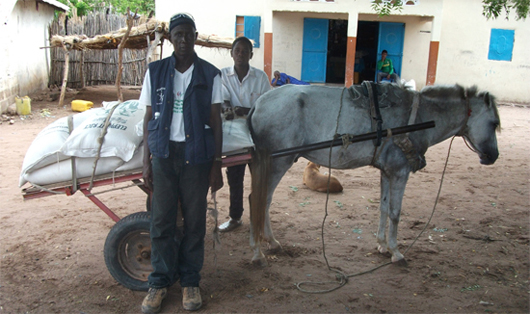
(138, 38)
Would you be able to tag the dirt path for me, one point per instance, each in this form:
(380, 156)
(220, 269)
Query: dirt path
(473, 258)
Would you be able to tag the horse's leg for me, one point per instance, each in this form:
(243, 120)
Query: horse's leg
(275, 246)
(278, 169)
(398, 183)
(383, 208)
(258, 257)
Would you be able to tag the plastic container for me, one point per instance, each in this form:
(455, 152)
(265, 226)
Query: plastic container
(23, 105)
(81, 105)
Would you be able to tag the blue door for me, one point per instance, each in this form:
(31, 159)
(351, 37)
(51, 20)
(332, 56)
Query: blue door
(315, 50)
(391, 37)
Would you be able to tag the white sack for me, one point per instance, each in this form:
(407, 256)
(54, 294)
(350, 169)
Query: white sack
(136, 162)
(62, 171)
(45, 148)
(236, 135)
(121, 139)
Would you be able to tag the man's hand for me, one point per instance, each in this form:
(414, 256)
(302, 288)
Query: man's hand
(148, 175)
(216, 177)
(241, 111)
(228, 113)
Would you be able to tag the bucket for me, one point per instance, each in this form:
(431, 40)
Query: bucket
(81, 105)
(23, 105)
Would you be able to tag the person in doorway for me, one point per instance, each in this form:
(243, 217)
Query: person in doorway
(282, 79)
(385, 68)
(242, 86)
(182, 159)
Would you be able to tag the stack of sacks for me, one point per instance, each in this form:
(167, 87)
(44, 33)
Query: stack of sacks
(48, 159)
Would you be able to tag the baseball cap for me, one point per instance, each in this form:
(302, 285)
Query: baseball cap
(181, 18)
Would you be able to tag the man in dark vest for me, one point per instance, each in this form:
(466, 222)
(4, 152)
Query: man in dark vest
(182, 159)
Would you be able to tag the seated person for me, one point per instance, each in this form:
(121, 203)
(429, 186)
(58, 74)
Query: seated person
(386, 68)
(282, 79)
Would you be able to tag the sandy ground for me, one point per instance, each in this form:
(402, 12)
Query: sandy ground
(473, 257)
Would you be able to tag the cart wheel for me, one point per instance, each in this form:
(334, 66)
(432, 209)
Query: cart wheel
(127, 251)
(148, 203)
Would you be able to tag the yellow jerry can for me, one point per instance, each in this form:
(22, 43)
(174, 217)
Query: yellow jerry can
(23, 105)
(81, 105)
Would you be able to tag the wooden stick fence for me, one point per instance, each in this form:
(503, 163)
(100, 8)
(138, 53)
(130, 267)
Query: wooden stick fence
(99, 66)
(89, 51)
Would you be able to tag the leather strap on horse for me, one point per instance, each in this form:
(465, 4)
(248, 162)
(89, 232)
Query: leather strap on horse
(467, 115)
(414, 159)
(375, 113)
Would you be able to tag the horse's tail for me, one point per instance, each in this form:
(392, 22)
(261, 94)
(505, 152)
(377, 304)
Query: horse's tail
(260, 174)
(260, 169)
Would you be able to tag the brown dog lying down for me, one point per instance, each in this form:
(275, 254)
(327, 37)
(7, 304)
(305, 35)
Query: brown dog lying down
(316, 181)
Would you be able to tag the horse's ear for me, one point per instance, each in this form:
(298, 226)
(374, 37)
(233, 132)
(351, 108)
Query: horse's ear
(487, 99)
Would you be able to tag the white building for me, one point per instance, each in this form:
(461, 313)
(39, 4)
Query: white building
(24, 66)
(430, 41)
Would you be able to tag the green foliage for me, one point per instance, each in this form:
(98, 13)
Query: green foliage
(385, 7)
(492, 9)
(85, 7)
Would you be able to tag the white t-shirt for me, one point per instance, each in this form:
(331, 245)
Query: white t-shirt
(246, 92)
(180, 84)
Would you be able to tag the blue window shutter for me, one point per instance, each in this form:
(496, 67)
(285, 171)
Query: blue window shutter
(252, 29)
(501, 44)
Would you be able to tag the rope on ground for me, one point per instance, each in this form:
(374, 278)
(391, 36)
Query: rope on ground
(343, 278)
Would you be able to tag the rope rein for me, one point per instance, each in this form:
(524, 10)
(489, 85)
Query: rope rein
(341, 277)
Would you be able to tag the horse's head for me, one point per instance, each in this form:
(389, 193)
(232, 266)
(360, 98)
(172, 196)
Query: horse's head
(481, 126)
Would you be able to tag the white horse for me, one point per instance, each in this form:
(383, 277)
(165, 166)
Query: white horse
(293, 116)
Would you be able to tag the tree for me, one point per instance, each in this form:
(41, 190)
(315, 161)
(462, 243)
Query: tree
(491, 8)
(494, 8)
(84, 7)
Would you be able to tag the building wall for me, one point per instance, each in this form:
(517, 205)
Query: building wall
(24, 66)
(464, 47)
(214, 18)
(446, 41)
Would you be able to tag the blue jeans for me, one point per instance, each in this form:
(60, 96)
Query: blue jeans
(178, 254)
(382, 75)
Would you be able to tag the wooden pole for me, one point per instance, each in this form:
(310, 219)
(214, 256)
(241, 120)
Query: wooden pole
(352, 139)
(152, 46)
(81, 70)
(65, 74)
(120, 52)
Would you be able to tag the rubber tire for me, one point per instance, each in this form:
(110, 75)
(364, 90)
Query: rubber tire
(127, 251)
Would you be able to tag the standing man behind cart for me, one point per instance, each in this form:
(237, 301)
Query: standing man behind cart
(242, 86)
(182, 158)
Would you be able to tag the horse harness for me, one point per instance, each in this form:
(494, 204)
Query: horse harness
(415, 160)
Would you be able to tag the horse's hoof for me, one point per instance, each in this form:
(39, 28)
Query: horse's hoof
(382, 249)
(401, 262)
(275, 247)
(261, 262)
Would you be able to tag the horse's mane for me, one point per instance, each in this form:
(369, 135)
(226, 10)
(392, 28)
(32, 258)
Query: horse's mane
(445, 91)
(457, 93)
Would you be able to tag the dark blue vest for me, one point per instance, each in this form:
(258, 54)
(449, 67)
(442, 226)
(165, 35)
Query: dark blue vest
(200, 145)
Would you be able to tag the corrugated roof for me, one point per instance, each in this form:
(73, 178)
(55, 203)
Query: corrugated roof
(57, 4)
